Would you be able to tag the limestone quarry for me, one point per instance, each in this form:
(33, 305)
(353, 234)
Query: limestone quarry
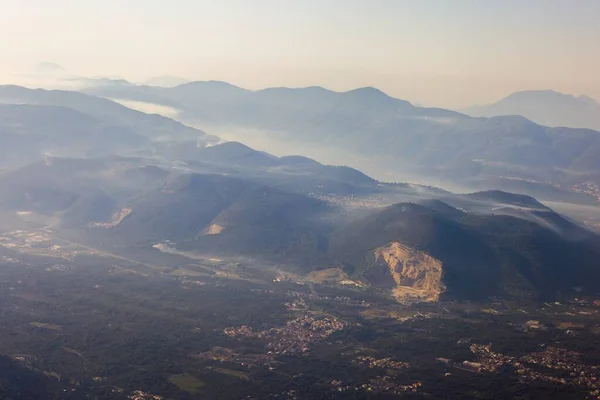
(116, 219)
(409, 273)
(213, 229)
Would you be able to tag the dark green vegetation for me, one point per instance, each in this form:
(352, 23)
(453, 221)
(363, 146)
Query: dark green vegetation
(500, 244)
(119, 327)
(139, 261)
(481, 255)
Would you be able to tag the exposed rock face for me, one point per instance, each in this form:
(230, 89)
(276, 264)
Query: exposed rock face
(116, 219)
(411, 274)
(213, 229)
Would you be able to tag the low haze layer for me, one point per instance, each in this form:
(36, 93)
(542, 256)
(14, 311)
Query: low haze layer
(436, 53)
(299, 200)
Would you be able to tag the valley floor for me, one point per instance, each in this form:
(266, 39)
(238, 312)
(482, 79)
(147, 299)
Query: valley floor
(77, 322)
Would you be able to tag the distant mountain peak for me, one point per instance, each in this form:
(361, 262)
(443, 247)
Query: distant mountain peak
(233, 145)
(317, 88)
(589, 100)
(372, 95)
(212, 83)
(546, 107)
(509, 198)
(368, 90)
(298, 161)
(545, 94)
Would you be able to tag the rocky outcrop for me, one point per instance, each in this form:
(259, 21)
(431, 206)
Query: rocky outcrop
(213, 229)
(409, 273)
(116, 219)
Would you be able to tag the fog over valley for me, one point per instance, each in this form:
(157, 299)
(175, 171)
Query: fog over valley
(300, 200)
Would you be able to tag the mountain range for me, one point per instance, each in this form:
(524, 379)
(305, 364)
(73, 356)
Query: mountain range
(545, 107)
(152, 126)
(388, 137)
(30, 132)
(466, 246)
(121, 180)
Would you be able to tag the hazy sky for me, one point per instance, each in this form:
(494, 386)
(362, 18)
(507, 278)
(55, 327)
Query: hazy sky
(447, 53)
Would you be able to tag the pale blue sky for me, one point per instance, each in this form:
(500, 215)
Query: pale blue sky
(437, 52)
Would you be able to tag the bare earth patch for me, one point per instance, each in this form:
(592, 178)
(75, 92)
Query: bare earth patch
(213, 229)
(416, 275)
